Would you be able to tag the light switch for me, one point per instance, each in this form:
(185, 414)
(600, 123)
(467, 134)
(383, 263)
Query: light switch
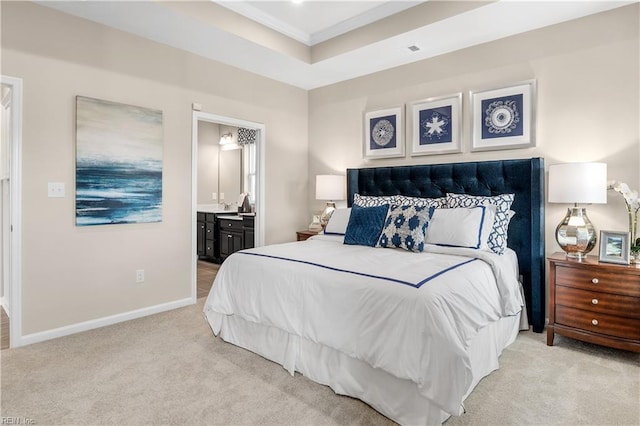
(56, 189)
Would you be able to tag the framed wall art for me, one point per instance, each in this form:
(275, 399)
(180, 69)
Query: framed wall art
(118, 163)
(383, 133)
(504, 118)
(435, 125)
(615, 247)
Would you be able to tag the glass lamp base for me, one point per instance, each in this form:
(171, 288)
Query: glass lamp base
(575, 234)
(326, 213)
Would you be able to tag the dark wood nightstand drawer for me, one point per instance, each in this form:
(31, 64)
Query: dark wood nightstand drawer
(305, 235)
(618, 282)
(611, 325)
(604, 303)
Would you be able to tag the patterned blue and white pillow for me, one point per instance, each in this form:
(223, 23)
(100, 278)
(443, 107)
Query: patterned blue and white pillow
(405, 227)
(400, 200)
(374, 200)
(497, 241)
(438, 203)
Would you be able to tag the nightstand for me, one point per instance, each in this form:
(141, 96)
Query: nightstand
(304, 235)
(594, 302)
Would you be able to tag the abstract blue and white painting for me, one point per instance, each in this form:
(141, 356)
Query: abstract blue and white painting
(504, 118)
(436, 125)
(118, 163)
(383, 135)
(383, 132)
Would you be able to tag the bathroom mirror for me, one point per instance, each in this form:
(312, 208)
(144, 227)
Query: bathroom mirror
(230, 175)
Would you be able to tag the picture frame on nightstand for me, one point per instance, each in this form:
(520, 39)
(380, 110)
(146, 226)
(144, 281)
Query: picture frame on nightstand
(615, 247)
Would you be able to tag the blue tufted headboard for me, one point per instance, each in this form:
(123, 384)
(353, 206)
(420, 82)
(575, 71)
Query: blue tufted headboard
(524, 178)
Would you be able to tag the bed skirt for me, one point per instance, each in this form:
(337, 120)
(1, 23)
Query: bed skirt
(397, 399)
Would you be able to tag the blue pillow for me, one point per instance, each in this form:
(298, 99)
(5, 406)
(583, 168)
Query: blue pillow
(365, 225)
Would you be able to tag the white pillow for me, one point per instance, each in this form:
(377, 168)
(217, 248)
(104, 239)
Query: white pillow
(498, 237)
(462, 227)
(338, 222)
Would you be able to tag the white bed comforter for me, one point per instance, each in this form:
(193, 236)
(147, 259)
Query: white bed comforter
(410, 314)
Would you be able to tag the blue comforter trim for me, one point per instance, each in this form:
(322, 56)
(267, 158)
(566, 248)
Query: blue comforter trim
(410, 284)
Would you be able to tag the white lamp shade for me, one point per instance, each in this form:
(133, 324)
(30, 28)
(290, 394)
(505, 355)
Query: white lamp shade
(329, 187)
(578, 183)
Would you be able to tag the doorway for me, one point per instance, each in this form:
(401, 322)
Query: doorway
(10, 206)
(258, 180)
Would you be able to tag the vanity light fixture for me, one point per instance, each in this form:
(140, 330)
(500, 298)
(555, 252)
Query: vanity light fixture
(226, 138)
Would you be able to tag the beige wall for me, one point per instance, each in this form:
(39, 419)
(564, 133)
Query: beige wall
(71, 274)
(588, 89)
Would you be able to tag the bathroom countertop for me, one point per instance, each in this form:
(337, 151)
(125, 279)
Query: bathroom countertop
(215, 208)
(219, 209)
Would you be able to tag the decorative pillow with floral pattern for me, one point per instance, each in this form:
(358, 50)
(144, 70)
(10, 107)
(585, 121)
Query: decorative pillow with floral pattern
(406, 227)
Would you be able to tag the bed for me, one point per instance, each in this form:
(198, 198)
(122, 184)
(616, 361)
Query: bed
(411, 334)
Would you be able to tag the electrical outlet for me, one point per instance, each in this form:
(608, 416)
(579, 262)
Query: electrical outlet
(140, 275)
(222, 196)
(55, 189)
(214, 196)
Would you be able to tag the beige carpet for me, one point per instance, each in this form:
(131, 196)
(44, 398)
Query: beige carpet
(168, 369)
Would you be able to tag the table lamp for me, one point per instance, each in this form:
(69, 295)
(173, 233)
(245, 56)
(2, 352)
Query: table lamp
(584, 183)
(330, 188)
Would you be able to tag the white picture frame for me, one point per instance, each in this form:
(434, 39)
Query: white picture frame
(504, 118)
(436, 125)
(383, 133)
(615, 247)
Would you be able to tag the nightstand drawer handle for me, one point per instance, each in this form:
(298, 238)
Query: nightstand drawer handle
(594, 321)
(595, 280)
(594, 301)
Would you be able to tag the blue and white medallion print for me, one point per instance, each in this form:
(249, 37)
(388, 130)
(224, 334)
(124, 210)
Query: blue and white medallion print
(405, 227)
(502, 117)
(382, 132)
(118, 163)
(435, 125)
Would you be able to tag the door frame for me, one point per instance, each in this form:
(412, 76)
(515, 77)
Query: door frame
(15, 210)
(259, 225)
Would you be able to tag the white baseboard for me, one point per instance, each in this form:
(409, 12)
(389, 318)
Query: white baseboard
(100, 322)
